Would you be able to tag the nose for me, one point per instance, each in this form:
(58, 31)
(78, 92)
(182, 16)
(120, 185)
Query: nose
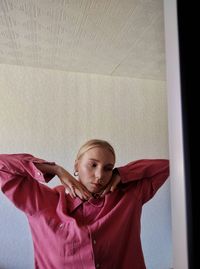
(99, 176)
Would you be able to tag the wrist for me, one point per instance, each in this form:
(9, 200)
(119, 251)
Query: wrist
(59, 170)
(62, 173)
(116, 174)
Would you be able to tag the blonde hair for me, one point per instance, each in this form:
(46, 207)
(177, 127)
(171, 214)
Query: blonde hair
(93, 143)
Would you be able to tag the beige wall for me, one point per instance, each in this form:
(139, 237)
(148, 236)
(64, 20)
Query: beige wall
(51, 113)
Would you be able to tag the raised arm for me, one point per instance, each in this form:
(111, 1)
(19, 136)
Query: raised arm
(19, 179)
(74, 187)
(149, 174)
(21, 176)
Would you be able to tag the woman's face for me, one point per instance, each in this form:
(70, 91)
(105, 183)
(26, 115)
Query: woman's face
(95, 168)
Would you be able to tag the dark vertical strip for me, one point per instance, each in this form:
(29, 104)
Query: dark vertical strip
(189, 98)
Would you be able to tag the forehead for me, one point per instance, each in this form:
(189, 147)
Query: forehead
(101, 154)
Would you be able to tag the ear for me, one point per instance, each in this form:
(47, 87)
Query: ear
(76, 166)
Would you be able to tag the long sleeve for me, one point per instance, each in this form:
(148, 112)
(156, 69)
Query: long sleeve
(148, 174)
(20, 182)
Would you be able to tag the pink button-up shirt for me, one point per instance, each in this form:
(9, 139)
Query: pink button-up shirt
(75, 234)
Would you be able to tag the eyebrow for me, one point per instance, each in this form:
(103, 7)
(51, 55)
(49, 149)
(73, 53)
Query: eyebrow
(108, 164)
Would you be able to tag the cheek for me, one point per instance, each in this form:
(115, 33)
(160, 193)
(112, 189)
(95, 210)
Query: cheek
(85, 173)
(108, 177)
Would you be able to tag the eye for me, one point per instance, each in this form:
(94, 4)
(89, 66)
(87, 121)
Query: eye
(91, 164)
(108, 169)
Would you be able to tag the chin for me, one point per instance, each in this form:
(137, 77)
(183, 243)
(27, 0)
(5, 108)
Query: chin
(94, 190)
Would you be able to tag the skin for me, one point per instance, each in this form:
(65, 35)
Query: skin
(95, 169)
(95, 174)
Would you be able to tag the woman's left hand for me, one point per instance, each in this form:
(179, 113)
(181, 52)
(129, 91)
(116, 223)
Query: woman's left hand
(112, 185)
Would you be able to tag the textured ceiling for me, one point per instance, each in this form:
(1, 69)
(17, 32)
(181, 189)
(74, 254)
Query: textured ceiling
(111, 37)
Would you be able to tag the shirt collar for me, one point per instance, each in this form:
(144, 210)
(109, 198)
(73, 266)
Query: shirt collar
(74, 203)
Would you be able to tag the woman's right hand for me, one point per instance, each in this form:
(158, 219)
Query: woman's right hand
(73, 186)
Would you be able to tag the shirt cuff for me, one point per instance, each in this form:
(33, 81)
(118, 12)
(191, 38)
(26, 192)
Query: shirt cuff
(123, 172)
(34, 172)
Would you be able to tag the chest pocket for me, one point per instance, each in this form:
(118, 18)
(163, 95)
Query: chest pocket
(71, 248)
(56, 225)
(66, 237)
(63, 234)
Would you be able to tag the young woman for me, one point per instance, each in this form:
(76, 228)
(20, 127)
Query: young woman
(92, 221)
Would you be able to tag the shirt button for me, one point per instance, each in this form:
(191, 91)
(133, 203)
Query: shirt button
(94, 241)
(98, 265)
(61, 225)
(39, 173)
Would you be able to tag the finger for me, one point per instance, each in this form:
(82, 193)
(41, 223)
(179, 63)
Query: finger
(114, 186)
(86, 194)
(68, 191)
(77, 190)
(71, 195)
(72, 189)
(107, 189)
(85, 191)
(65, 185)
(81, 195)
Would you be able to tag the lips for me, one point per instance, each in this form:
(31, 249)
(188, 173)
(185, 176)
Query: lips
(96, 186)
